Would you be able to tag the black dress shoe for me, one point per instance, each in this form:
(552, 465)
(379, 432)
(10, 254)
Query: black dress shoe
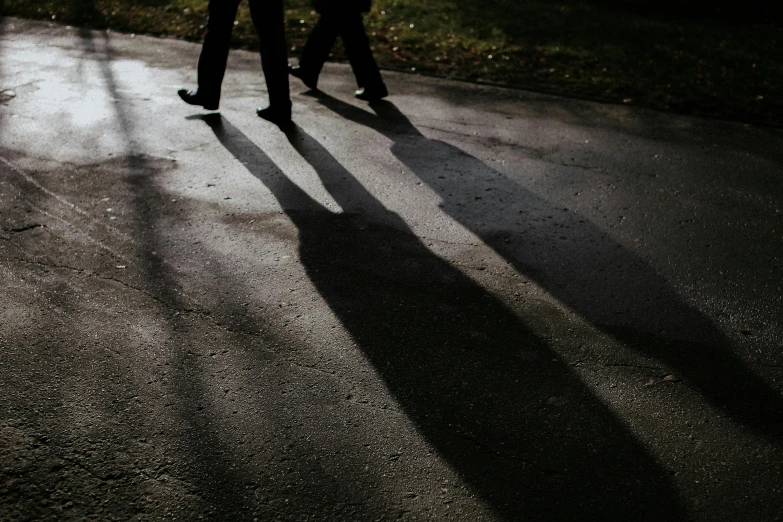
(372, 94)
(279, 115)
(194, 97)
(310, 80)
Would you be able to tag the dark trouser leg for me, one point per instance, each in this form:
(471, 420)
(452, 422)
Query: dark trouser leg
(357, 47)
(214, 50)
(269, 21)
(319, 44)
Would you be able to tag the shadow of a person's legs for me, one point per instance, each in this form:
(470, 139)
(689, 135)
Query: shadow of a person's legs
(511, 418)
(581, 266)
(194, 437)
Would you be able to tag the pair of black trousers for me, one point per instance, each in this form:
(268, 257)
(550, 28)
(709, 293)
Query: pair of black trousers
(268, 20)
(349, 27)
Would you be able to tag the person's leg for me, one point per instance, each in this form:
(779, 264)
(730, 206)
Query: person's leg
(214, 50)
(365, 68)
(317, 48)
(268, 19)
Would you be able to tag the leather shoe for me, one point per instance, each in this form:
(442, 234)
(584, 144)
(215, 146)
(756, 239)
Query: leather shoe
(279, 115)
(194, 97)
(310, 80)
(372, 94)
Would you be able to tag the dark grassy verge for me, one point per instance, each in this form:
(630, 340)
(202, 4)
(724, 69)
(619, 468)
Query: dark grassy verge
(715, 62)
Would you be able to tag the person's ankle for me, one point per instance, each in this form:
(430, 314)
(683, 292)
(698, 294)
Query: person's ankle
(199, 97)
(372, 93)
(309, 79)
(279, 113)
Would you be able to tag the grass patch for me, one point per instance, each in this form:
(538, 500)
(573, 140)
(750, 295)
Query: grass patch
(612, 51)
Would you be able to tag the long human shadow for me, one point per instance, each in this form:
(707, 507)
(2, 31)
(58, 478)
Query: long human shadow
(211, 472)
(500, 407)
(581, 266)
(195, 431)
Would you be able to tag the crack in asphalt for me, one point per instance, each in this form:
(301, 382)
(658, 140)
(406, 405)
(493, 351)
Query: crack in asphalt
(201, 313)
(74, 226)
(533, 152)
(90, 273)
(27, 177)
(43, 189)
(23, 228)
(194, 147)
(84, 467)
(637, 366)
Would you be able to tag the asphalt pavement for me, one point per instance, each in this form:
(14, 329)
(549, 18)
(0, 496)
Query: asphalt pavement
(462, 303)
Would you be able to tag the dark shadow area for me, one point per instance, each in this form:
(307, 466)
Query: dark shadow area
(291, 483)
(506, 13)
(716, 59)
(86, 14)
(511, 418)
(85, 11)
(581, 266)
(137, 445)
(730, 12)
(151, 440)
(208, 466)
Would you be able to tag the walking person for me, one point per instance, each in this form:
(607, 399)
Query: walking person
(341, 18)
(268, 20)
